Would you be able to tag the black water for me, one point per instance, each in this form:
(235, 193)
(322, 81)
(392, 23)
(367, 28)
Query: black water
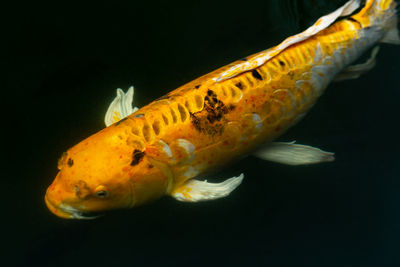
(62, 64)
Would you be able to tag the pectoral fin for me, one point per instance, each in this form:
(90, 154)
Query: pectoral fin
(354, 71)
(293, 154)
(194, 190)
(120, 107)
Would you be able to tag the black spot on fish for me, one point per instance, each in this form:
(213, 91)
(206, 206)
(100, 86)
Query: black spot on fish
(70, 162)
(239, 85)
(137, 156)
(256, 75)
(197, 86)
(150, 166)
(196, 122)
(118, 122)
(281, 63)
(208, 120)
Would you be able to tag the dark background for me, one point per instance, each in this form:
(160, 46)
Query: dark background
(62, 63)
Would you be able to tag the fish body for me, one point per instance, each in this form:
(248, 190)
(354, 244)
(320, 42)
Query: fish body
(215, 119)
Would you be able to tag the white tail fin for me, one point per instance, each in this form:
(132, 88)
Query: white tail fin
(392, 35)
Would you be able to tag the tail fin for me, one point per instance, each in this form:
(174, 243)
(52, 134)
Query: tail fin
(381, 13)
(392, 35)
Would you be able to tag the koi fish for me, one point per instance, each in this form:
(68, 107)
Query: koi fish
(237, 110)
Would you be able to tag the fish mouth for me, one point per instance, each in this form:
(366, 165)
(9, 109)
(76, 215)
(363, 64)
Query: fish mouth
(66, 211)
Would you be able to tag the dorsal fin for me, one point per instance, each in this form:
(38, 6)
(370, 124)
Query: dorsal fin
(262, 57)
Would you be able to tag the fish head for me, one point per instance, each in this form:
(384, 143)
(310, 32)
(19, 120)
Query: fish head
(104, 172)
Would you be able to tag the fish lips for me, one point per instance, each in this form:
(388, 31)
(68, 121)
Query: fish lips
(66, 211)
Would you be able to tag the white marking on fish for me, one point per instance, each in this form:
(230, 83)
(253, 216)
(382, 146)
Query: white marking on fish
(166, 148)
(293, 99)
(75, 213)
(319, 78)
(299, 85)
(186, 145)
(257, 120)
(190, 172)
(318, 54)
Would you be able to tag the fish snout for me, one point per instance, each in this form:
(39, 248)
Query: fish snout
(54, 200)
(64, 210)
(65, 204)
(56, 208)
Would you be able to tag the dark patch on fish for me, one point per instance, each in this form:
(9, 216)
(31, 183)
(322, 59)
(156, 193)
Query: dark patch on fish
(196, 121)
(70, 162)
(208, 120)
(204, 126)
(281, 63)
(239, 85)
(197, 86)
(256, 75)
(137, 156)
(81, 189)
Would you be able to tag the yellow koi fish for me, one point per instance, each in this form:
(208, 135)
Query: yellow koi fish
(234, 111)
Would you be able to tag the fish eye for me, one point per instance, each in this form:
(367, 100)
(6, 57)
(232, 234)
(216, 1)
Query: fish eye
(101, 193)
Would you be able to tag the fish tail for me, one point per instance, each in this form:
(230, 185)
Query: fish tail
(381, 14)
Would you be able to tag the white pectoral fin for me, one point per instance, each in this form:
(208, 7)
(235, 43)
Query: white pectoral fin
(120, 107)
(194, 190)
(354, 71)
(293, 154)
